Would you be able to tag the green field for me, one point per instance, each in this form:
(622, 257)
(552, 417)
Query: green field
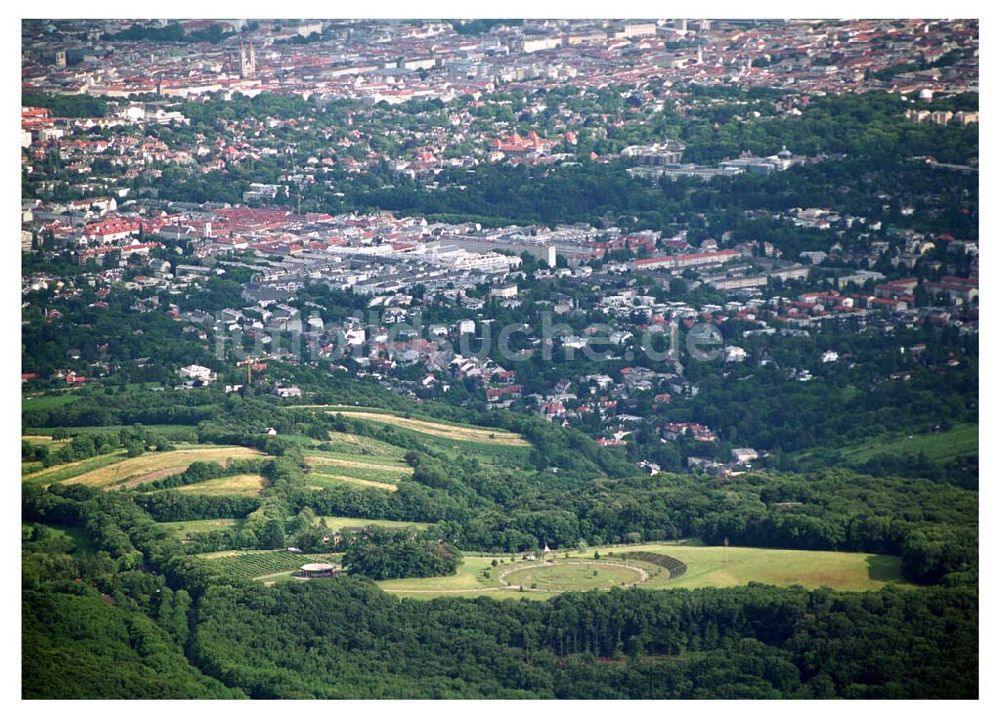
(348, 445)
(77, 536)
(488, 453)
(707, 567)
(959, 441)
(334, 522)
(383, 470)
(228, 485)
(152, 466)
(327, 469)
(170, 432)
(47, 402)
(186, 528)
(320, 481)
(938, 447)
(59, 473)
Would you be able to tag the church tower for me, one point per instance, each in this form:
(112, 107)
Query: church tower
(248, 61)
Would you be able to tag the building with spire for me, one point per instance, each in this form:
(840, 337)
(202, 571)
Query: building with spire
(248, 60)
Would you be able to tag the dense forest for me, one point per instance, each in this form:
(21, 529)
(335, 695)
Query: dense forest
(187, 633)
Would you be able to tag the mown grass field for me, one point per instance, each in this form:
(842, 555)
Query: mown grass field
(488, 453)
(60, 473)
(320, 481)
(186, 528)
(231, 485)
(379, 471)
(707, 567)
(46, 440)
(351, 446)
(367, 468)
(440, 429)
(712, 566)
(335, 522)
(154, 466)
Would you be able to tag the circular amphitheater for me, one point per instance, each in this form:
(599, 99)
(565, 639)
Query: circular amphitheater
(567, 575)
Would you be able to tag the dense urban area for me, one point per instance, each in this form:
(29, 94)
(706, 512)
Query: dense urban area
(500, 359)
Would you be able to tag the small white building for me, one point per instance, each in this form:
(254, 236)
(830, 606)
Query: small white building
(504, 291)
(744, 455)
(197, 372)
(734, 354)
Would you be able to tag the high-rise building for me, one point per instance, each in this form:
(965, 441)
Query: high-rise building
(60, 58)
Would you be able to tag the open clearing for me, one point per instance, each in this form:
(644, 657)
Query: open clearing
(387, 466)
(439, 429)
(59, 473)
(960, 441)
(230, 485)
(334, 522)
(185, 528)
(706, 567)
(319, 481)
(155, 466)
(938, 447)
(43, 440)
(326, 469)
(351, 445)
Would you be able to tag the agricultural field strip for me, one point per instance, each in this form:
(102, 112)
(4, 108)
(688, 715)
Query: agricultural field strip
(227, 485)
(154, 466)
(335, 522)
(355, 445)
(188, 527)
(58, 473)
(439, 429)
(320, 480)
(388, 466)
